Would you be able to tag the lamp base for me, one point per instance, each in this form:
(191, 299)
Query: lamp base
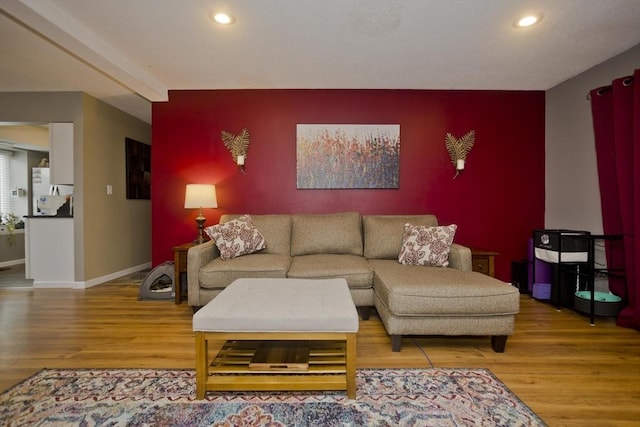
(200, 221)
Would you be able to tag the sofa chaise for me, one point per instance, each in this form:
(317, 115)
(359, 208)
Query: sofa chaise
(410, 299)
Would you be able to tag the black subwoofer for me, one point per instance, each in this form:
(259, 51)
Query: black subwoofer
(519, 276)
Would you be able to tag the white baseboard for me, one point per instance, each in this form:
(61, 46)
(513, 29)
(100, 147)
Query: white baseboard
(85, 284)
(55, 285)
(111, 276)
(12, 262)
(93, 282)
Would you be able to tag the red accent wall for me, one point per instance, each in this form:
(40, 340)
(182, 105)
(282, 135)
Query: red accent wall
(496, 202)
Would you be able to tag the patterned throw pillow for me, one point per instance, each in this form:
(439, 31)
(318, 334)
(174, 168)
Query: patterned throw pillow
(426, 245)
(236, 237)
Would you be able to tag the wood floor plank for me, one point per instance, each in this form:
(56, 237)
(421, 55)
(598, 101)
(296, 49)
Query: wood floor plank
(570, 373)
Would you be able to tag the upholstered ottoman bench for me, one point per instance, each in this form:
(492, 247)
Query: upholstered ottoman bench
(446, 301)
(251, 313)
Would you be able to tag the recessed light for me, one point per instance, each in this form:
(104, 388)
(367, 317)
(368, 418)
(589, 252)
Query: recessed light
(222, 18)
(527, 21)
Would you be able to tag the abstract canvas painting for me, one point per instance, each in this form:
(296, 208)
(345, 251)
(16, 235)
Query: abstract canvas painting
(347, 156)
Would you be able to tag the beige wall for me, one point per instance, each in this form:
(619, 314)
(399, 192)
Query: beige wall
(104, 229)
(33, 136)
(572, 195)
(119, 228)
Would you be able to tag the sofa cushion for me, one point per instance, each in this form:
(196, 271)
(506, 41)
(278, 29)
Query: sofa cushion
(353, 268)
(236, 237)
(427, 245)
(218, 274)
(409, 290)
(276, 230)
(383, 233)
(339, 233)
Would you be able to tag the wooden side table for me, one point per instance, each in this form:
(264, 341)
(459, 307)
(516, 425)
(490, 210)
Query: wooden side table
(483, 261)
(180, 265)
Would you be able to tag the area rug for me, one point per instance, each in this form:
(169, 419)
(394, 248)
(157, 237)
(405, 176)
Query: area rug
(149, 397)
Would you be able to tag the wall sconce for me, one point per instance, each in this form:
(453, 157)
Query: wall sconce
(459, 149)
(198, 196)
(238, 146)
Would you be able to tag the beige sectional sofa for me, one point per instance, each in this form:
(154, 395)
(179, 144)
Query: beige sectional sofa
(410, 299)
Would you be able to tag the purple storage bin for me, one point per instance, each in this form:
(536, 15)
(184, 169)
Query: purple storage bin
(543, 269)
(542, 290)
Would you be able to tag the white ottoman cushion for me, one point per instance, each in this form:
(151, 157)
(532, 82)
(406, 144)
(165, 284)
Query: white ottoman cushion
(280, 305)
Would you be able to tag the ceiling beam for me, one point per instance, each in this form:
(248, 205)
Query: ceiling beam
(47, 19)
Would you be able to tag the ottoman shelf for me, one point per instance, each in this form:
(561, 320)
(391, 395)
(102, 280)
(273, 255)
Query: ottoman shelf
(325, 357)
(331, 363)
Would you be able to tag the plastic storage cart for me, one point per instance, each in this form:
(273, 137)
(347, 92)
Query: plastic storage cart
(567, 252)
(572, 256)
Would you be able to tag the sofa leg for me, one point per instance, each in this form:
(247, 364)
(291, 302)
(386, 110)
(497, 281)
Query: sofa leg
(365, 312)
(498, 343)
(396, 342)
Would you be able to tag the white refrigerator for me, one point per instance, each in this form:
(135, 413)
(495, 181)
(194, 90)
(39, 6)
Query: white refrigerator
(41, 186)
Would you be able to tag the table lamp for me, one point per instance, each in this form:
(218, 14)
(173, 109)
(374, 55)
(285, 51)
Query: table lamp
(200, 196)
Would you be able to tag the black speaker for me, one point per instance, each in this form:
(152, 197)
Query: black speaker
(519, 276)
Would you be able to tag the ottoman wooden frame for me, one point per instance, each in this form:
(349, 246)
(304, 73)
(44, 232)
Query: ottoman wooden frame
(291, 310)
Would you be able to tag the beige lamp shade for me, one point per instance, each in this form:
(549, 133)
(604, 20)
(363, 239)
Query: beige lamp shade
(200, 196)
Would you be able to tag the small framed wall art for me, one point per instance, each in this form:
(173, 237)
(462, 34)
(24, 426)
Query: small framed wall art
(138, 169)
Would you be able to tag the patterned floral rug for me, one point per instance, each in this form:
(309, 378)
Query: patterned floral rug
(149, 397)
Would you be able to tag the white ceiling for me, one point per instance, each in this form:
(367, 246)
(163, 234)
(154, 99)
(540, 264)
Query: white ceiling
(131, 52)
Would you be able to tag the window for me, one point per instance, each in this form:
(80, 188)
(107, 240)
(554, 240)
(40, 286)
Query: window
(5, 181)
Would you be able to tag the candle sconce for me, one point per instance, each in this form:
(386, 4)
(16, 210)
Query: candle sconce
(459, 149)
(238, 146)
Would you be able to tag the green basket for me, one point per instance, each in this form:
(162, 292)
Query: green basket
(606, 304)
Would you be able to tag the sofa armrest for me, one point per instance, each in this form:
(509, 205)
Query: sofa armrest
(197, 257)
(460, 257)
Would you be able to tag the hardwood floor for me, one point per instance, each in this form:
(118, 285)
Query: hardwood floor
(570, 373)
(13, 277)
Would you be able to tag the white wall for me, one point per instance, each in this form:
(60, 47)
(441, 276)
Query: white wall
(572, 195)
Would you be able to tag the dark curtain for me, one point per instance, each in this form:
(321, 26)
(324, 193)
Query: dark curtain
(616, 124)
